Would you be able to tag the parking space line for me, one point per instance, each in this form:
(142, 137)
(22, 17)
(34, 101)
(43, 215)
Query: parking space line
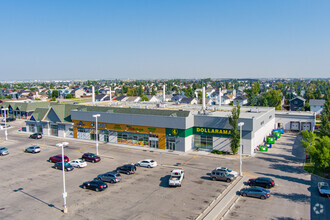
(85, 148)
(191, 159)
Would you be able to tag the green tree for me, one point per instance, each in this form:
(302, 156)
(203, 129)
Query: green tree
(309, 139)
(69, 96)
(235, 136)
(55, 93)
(153, 92)
(320, 153)
(144, 98)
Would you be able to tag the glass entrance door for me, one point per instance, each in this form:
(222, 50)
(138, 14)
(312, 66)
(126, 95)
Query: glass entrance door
(171, 146)
(153, 144)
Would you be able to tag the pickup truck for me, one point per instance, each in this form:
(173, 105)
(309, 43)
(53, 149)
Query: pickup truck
(176, 178)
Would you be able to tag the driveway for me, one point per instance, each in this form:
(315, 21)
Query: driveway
(291, 197)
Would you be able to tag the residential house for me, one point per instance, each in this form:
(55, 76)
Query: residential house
(191, 101)
(133, 99)
(297, 103)
(316, 105)
(178, 98)
(77, 93)
(153, 98)
(242, 100)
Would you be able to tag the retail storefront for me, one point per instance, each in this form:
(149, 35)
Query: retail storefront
(204, 138)
(152, 137)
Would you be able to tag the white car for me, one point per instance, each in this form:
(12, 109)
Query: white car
(324, 188)
(176, 178)
(147, 163)
(232, 172)
(78, 163)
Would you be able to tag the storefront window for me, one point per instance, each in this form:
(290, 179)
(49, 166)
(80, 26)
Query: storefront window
(205, 142)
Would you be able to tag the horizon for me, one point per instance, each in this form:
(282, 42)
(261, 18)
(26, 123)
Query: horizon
(146, 39)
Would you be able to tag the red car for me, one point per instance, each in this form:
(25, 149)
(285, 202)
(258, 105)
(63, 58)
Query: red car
(91, 157)
(58, 158)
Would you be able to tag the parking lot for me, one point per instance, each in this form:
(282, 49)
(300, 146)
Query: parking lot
(31, 187)
(290, 198)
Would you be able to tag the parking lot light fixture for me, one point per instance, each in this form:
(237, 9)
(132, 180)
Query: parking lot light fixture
(240, 148)
(96, 132)
(65, 209)
(5, 113)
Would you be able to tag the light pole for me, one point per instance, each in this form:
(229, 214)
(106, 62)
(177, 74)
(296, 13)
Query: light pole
(96, 131)
(5, 112)
(240, 148)
(65, 194)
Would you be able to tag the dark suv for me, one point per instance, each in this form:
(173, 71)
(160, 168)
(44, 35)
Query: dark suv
(264, 182)
(127, 168)
(97, 185)
(9, 119)
(90, 157)
(36, 136)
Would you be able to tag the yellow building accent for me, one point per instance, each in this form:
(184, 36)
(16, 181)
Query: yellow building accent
(75, 132)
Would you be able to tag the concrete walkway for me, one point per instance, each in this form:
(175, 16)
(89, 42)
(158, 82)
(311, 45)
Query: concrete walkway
(221, 204)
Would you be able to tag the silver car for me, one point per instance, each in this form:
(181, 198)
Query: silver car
(111, 177)
(222, 175)
(3, 151)
(32, 149)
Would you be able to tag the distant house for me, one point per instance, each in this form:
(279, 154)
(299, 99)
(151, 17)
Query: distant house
(242, 100)
(133, 99)
(297, 103)
(227, 99)
(153, 98)
(191, 101)
(121, 98)
(316, 105)
(77, 93)
(178, 98)
(102, 98)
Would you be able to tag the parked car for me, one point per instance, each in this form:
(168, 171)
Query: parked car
(36, 136)
(91, 157)
(3, 151)
(127, 168)
(67, 166)
(8, 119)
(176, 178)
(3, 125)
(234, 173)
(257, 192)
(111, 177)
(264, 182)
(147, 163)
(222, 175)
(96, 185)
(324, 188)
(32, 149)
(78, 163)
(58, 158)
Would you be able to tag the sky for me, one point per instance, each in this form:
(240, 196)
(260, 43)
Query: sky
(164, 39)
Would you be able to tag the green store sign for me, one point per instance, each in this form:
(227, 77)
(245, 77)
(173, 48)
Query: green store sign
(198, 131)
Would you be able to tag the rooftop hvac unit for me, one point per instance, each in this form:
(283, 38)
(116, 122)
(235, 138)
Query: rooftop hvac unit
(254, 110)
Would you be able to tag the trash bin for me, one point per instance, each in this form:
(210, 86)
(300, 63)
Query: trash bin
(281, 130)
(263, 148)
(277, 133)
(271, 139)
(269, 145)
(275, 137)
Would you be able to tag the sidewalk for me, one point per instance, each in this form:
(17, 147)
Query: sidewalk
(218, 208)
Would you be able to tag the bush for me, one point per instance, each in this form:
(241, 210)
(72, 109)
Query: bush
(218, 152)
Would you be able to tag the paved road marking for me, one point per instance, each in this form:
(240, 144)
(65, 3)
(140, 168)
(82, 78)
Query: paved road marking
(191, 159)
(85, 148)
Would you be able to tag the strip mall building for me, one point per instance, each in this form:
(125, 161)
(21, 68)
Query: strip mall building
(172, 129)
